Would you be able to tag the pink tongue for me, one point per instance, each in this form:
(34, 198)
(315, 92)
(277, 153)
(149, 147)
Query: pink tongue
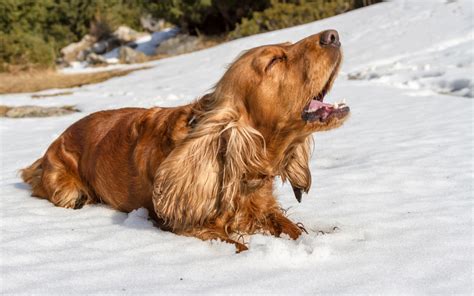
(315, 105)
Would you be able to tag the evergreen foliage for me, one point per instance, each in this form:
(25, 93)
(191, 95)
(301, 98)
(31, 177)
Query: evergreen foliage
(204, 16)
(282, 15)
(33, 31)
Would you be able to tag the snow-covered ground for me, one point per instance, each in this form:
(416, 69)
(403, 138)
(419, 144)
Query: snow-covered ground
(390, 210)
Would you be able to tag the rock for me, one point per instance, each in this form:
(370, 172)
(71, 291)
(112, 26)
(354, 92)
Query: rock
(95, 59)
(126, 34)
(36, 111)
(113, 43)
(49, 95)
(70, 53)
(149, 47)
(99, 47)
(180, 44)
(81, 56)
(93, 51)
(151, 24)
(3, 110)
(128, 55)
(132, 45)
(107, 45)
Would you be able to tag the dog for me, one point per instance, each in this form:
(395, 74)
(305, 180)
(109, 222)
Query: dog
(205, 169)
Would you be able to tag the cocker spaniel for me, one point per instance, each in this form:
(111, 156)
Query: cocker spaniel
(205, 169)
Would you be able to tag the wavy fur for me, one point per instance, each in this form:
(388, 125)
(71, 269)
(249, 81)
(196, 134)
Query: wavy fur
(205, 169)
(296, 169)
(201, 177)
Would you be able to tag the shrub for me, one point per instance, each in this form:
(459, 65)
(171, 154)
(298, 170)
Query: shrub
(33, 31)
(25, 49)
(286, 14)
(209, 17)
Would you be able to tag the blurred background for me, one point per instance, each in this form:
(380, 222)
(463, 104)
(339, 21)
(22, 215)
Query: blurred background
(46, 34)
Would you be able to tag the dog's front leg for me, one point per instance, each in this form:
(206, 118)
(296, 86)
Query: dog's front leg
(260, 211)
(215, 233)
(277, 224)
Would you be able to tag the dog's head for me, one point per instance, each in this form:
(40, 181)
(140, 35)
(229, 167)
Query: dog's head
(282, 86)
(271, 96)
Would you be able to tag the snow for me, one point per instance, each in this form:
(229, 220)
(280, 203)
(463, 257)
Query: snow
(389, 212)
(444, 70)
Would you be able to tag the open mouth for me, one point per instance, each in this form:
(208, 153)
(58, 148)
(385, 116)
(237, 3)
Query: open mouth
(316, 109)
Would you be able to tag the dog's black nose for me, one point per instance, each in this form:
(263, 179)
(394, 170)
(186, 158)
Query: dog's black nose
(329, 38)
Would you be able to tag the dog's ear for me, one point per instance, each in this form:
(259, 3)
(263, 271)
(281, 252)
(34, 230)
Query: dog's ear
(296, 168)
(202, 175)
(244, 158)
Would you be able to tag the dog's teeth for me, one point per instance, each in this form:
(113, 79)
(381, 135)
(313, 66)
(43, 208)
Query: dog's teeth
(343, 101)
(335, 105)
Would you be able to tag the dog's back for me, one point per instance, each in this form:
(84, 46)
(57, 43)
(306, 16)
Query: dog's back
(95, 159)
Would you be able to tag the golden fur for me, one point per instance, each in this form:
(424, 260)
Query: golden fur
(205, 169)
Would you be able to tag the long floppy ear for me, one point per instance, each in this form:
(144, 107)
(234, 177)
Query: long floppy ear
(201, 177)
(296, 168)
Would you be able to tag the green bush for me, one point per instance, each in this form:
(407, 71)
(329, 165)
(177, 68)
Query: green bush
(209, 17)
(33, 31)
(26, 50)
(286, 14)
(221, 16)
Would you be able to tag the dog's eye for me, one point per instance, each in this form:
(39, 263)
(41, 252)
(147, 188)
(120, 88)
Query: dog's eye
(274, 61)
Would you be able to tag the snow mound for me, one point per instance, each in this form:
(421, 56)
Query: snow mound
(138, 219)
(439, 69)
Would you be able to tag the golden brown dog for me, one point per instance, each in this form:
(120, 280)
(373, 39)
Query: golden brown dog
(205, 169)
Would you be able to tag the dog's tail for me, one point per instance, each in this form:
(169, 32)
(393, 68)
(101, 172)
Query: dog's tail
(33, 175)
